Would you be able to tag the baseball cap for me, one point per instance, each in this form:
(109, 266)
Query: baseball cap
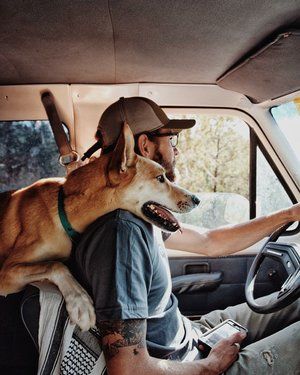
(141, 114)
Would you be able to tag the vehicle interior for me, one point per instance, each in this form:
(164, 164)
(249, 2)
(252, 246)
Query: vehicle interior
(232, 66)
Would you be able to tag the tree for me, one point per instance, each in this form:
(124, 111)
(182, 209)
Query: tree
(28, 152)
(214, 156)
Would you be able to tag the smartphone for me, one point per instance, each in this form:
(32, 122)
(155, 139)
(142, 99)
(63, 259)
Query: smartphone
(221, 331)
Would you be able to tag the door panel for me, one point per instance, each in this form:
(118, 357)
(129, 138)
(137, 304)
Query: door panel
(230, 289)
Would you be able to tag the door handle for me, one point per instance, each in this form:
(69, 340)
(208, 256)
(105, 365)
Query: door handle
(197, 282)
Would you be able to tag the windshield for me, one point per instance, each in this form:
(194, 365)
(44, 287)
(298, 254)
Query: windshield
(287, 116)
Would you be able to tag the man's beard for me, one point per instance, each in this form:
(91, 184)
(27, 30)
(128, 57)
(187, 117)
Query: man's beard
(169, 167)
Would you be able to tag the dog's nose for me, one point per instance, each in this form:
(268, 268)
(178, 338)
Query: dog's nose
(195, 199)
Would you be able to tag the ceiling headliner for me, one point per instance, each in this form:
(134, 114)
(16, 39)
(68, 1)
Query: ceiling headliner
(124, 41)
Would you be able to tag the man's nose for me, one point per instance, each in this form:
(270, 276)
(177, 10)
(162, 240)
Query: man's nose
(176, 152)
(195, 199)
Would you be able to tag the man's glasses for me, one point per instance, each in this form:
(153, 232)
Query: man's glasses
(173, 137)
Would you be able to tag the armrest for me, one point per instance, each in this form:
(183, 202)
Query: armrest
(196, 282)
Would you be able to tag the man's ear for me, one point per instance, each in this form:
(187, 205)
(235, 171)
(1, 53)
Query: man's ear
(123, 156)
(145, 146)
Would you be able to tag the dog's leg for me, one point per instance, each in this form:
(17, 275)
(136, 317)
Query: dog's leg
(14, 277)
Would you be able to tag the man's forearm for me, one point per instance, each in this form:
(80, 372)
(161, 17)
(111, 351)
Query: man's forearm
(235, 238)
(230, 239)
(124, 346)
(220, 358)
(147, 365)
(166, 367)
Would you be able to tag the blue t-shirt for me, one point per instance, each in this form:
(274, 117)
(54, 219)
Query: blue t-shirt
(127, 274)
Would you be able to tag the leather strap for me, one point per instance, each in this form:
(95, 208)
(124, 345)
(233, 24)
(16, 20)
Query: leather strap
(68, 157)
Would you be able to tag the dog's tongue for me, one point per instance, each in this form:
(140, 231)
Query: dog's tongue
(166, 214)
(161, 216)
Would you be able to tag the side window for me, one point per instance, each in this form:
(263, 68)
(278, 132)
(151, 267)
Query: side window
(28, 152)
(270, 194)
(287, 117)
(214, 162)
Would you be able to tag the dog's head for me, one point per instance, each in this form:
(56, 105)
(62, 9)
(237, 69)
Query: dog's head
(141, 186)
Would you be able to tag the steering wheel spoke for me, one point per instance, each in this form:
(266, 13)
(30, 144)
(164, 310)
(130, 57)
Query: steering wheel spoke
(290, 283)
(272, 253)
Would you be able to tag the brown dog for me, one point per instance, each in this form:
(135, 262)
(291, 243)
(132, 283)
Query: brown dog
(34, 242)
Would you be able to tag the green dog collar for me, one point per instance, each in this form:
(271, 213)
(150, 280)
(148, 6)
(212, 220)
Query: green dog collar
(74, 236)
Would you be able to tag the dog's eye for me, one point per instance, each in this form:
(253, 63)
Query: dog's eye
(161, 178)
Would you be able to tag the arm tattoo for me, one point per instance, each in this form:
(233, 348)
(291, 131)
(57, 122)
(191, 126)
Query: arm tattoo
(122, 333)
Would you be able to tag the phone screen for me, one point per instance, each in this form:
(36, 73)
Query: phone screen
(221, 332)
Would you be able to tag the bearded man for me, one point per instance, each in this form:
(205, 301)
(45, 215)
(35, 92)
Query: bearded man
(124, 266)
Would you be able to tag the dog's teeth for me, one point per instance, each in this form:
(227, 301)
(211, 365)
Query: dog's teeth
(161, 216)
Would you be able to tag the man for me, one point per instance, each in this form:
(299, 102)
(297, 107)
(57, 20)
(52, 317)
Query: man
(125, 268)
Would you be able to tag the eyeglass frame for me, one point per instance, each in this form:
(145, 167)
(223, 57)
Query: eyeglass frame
(171, 135)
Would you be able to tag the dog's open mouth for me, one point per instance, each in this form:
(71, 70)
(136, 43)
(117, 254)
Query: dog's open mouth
(160, 216)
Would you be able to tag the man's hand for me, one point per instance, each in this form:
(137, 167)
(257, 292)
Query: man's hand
(294, 212)
(223, 354)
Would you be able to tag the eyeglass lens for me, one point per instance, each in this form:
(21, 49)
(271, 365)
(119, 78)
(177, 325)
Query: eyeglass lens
(174, 140)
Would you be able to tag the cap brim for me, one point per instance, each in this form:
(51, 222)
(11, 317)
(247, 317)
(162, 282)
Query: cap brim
(179, 124)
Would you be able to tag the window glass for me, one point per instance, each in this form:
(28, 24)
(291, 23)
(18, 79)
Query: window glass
(213, 162)
(270, 194)
(28, 152)
(287, 116)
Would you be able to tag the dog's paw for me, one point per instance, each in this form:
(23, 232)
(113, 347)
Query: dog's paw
(81, 310)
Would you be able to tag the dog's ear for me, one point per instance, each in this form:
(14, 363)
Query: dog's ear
(123, 156)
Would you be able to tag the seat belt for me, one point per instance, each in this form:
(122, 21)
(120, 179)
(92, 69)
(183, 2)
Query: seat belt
(69, 158)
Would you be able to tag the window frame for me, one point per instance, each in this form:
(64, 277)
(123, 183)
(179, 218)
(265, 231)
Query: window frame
(255, 143)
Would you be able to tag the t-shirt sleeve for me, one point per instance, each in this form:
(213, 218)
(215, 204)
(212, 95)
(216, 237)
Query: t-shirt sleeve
(118, 269)
(165, 235)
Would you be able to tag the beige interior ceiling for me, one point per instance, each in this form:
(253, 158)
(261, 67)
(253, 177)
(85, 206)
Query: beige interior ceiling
(129, 41)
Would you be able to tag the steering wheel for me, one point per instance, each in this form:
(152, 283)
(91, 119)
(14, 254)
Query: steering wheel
(290, 289)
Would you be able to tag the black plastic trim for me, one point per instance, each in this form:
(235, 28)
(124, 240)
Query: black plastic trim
(252, 173)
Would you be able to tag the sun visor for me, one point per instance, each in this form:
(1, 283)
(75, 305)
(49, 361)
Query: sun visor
(271, 72)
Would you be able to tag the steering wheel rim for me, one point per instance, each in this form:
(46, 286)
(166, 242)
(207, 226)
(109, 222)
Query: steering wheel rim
(290, 290)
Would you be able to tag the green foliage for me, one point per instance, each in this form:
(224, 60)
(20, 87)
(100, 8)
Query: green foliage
(28, 152)
(214, 156)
